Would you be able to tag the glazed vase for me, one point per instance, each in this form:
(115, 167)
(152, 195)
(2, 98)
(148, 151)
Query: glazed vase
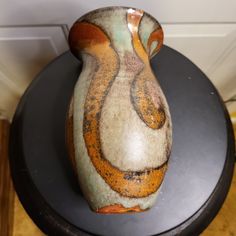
(118, 125)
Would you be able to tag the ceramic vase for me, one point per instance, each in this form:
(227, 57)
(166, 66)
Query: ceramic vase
(119, 126)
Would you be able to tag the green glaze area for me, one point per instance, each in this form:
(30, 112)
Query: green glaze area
(114, 23)
(153, 46)
(147, 26)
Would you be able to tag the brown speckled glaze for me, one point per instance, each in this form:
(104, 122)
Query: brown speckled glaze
(118, 125)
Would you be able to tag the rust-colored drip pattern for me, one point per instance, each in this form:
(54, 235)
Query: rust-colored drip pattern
(118, 208)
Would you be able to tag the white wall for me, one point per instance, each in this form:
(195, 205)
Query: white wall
(168, 11)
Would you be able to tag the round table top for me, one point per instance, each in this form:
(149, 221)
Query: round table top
(200, 167)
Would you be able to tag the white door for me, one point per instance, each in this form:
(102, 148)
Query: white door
(32, 33)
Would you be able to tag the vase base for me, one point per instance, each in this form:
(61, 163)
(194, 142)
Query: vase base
(119, 209)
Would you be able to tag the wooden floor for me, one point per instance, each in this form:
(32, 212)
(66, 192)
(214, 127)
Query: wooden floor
(14, 220)
(6, 188)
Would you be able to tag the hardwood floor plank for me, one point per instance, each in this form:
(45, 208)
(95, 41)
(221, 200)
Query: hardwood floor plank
(6, 187)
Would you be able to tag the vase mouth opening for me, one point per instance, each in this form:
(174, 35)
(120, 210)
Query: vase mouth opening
(114, 8)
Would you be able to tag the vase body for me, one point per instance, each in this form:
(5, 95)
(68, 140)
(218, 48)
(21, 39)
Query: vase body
(118, 127)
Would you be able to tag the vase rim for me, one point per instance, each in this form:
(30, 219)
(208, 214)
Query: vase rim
(108, 8)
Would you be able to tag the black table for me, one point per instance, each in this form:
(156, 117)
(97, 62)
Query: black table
(200, 169)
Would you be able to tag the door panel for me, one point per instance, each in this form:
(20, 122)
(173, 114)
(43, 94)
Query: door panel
(212, 47)
(24, 52)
